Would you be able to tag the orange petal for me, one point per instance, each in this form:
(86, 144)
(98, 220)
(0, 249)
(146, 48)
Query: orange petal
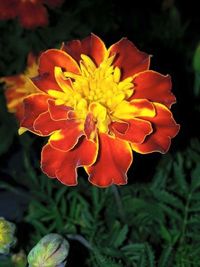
(14, 98)
(13, 80)
(48, 61)
(46, 126)
(31, 60)
(154, 87)
(164, 127)
(34, 105)
(113, 162)
(58, 112)
(137, 108)
(32, 15)
(134, 130)
(63, 165)
(128, 58)
(91, 46)
(66, 138)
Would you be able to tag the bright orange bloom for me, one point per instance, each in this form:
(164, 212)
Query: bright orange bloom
(31, 13)
(19, 86)
(97, 106)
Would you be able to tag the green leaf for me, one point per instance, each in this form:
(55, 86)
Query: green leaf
(6, 136)
(195, 175)
(150, 255)
(165, 257)
(196, 59)
(121, 236)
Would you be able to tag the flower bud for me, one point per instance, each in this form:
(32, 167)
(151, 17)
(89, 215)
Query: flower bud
(50, 251)
(19, 259)
(7, 238)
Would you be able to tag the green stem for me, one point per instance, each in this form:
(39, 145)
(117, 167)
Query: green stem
(81, 239)
(185, 220)
(119, 203)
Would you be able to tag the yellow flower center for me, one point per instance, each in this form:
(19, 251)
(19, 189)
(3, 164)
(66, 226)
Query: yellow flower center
(97, 90)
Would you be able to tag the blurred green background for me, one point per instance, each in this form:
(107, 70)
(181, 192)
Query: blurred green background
(155, 219)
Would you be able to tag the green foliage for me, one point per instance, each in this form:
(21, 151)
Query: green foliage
(166, 212)
(196, 67)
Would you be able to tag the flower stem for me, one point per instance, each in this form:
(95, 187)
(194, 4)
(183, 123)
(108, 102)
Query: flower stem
(119, 203)
(81, 239)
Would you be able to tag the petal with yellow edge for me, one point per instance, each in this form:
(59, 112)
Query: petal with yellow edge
(134, 130)
(154, 87)
(164, 127)
(46, 126)
(91, 46)
(58, 112)
(34, 105)
(48, 61)
(113, 161)
(66, 138)
(63, 165)
(128, 58)
(137, 108)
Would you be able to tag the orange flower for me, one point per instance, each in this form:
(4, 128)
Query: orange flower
(19, 86)
(31, 13)
(97, 106)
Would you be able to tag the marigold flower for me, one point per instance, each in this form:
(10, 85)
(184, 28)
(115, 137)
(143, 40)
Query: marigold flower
(97, 106)
(7, 238)
(19, 86)
(31, 13)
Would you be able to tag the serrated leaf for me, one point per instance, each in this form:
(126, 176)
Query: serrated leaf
(165, 256)
(122, 234)
(150, 255)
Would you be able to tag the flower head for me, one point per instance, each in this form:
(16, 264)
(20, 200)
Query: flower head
(97, 106)
(19, 86)
(51, 251)
(7, 238)
(31, 13)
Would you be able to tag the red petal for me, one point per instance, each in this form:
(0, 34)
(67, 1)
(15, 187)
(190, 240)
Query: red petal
(58, 112)
(164, 127)
(46, 126)
(8, 9)
(13, 80)
(91, 46)
(13, 98)
(67, 138)
(154, 87)
(32, 15)
(113, 162)
(31, 60)
(128, 58)
(63, 165)
(34, 105)
(135, 132)
(48, 61)
(90, 126)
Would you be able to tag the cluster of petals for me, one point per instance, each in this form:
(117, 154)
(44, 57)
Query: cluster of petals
(97, 105)
(17, 87)
(31, 13)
